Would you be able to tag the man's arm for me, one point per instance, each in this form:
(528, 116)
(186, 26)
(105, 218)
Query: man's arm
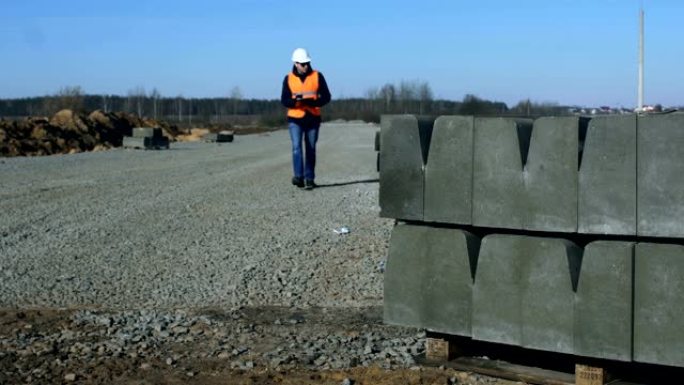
(286, 95)
(323, 93)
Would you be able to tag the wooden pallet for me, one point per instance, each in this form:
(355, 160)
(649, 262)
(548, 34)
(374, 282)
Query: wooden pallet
(466, 355)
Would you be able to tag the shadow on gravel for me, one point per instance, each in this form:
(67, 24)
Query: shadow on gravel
(347, 183)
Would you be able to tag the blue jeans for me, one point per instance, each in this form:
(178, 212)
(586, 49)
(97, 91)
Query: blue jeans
(303, 167)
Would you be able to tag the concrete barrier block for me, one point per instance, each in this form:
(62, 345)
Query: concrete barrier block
(499, 150)
(428, 278)
(603, 301)
(523, 293)
(142, 143)
(147, 132)
(161, 142)
(449, 171)
(660, 166)
(497, 293)
(550, 175)
(608, 178)
(405, 144)
(658, 304)
(219, 137)
(548, 294)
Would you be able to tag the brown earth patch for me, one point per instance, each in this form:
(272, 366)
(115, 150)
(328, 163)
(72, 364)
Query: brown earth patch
(68, 132)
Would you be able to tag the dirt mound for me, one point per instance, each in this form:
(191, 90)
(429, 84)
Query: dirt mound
(195, 135)
(69, 132)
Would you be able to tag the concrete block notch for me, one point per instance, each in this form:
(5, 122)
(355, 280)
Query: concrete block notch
(523, 292)
(551, 173)
(607, 200)
(405, 145)
(525, 173)
(429, 278)
(603, 301)
(449, 171)
(498, 191)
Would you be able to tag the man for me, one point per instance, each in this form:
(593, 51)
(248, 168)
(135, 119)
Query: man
(304, 93)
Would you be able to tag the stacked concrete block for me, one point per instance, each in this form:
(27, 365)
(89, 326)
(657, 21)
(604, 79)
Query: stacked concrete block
(497, 296)
(499, 152)
(449, 171)
(615, 180)
(544, 179)
(143, 143)
(659, 304)
(603, 301)
(607, 178)
(523, 293)
(548, 311)
(405, 142)
(146, 138)
(660, 188)
(219, 137)
(429, 278)
(550, 174)
(525, 176)
(147, 132)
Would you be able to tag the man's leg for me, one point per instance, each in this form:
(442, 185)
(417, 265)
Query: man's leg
(297, 160)
(310, 139)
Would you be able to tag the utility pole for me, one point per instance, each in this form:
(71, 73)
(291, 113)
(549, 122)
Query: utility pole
(640, 106)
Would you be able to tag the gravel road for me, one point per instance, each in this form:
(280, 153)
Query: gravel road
(202, 224)
(201, 264)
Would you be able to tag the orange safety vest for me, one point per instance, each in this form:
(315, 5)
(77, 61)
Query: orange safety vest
(309, 90)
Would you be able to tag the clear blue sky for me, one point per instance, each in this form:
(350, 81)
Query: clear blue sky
(566, 51)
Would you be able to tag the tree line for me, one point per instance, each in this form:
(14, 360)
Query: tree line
(406, 97)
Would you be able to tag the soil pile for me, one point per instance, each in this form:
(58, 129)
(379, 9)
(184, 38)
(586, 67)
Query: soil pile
(69, 132)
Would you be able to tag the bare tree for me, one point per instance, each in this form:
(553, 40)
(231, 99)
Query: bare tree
(155, 95)
(190, 111)
(388, 93)
(70, 97)
(407, 93)
(235, 96)
(217, 110)
(128, 103)
(105, 103)
(424, 95)
(137, 96)
(372, 95)
(179, 107)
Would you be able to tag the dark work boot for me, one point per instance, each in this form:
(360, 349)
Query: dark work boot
(309, 184)
(299, 182)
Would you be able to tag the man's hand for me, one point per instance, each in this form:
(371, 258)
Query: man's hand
(308, 102)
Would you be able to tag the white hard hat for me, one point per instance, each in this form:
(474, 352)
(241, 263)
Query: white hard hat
(300, 56)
